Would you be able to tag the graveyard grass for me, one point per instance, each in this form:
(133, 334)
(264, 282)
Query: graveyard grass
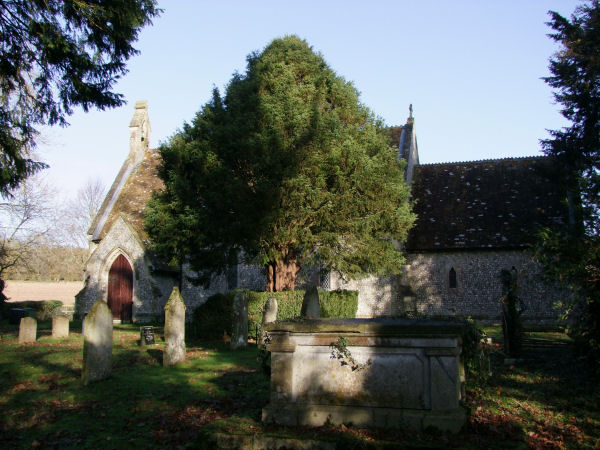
(542, 401)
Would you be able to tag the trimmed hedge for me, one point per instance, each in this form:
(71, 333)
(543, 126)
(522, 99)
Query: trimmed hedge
(213, 317)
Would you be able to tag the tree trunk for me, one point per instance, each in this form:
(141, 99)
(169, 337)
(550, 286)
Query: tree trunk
(281, 276)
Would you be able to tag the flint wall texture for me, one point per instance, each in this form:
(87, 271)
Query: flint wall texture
(424, 287)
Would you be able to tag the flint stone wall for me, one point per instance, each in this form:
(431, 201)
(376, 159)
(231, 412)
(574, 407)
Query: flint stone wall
(423, 287)
(414, 379)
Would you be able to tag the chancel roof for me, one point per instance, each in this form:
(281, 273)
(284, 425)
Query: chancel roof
(136, 191)
(484, 204)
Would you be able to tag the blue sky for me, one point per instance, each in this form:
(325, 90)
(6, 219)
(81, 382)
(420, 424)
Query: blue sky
(472, 70)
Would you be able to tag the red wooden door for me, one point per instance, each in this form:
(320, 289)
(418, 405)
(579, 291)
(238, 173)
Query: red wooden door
(120, 289)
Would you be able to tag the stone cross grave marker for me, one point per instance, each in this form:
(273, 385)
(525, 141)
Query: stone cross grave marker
(27, 330)
(60, 327)
(310, 303)
(97, 343)
(174, 329)
(269, 315)
(239, 335)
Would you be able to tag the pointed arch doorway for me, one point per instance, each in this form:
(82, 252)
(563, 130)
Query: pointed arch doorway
(120, 289)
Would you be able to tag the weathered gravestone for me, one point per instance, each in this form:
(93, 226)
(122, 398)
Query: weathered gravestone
(239, 336)
(27, 330)
(60, 327)
(310, 303)
(97, 343)
(269, 316)
(174, 329)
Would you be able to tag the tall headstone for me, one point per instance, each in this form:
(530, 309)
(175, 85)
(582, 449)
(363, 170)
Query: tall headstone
(60, 327)
(27, 330)
(174, 329)
(239, 336)
(269, 315)
(97, 343)
(310, 303)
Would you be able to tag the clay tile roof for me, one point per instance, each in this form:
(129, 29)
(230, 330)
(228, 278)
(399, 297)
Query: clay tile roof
(135, 193)
(483, 204)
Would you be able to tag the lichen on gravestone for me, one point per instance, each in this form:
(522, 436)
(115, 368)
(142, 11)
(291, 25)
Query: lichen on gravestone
(97, 343)
(174, 352)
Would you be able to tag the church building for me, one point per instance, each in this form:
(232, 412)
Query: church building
(475, 219)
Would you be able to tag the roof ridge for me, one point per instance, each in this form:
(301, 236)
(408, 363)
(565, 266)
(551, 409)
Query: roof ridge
(508, 158)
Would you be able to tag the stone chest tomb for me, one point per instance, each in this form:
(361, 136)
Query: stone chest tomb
(412, 375)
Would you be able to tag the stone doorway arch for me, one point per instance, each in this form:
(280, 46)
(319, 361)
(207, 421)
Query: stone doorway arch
(120, 289)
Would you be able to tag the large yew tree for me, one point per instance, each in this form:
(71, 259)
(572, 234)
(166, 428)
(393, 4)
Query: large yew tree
(287, 168)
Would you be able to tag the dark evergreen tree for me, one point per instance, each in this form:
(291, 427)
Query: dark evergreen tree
(574, 255)
(288, 168)
(56, 54)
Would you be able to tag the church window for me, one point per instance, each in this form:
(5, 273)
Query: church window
(452, 278)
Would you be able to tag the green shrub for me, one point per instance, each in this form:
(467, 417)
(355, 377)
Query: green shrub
(339, 303)
(289, 304)
(41, 310)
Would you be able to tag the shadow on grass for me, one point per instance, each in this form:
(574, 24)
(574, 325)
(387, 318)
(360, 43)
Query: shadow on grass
(140, 405)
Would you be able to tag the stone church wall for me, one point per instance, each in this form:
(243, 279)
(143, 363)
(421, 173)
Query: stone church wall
(423, 288)
(150, 293)
(150, 289)
(478, 285)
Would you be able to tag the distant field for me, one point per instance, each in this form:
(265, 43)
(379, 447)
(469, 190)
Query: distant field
(18, 291)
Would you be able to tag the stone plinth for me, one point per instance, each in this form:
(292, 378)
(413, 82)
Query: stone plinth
(27, 330)
(60, 327)
(411, 379)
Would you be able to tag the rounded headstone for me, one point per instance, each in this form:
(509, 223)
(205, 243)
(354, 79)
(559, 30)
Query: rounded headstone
(27, 330)
(97, 343)
(310, 303)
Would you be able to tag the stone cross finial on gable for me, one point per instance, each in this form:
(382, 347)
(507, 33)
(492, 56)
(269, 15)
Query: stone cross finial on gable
(139, 129)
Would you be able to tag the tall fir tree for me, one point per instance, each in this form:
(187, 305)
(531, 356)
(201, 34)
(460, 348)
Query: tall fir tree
(54, 55)
(574, 255)
(287, 169)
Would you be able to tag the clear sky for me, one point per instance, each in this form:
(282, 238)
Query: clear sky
(471, 68)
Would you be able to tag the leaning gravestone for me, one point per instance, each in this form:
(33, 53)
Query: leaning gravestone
(239, 336)
(60, 327)
(27, 330)
(174, 329)
(310, 303)
(97, 343)
(269, 315)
